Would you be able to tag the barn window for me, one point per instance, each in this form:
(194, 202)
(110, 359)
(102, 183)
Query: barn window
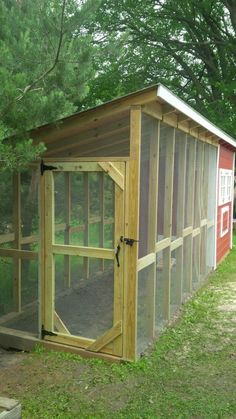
(225, 186)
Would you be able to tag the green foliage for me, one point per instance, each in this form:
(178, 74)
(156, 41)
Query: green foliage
(45, 65)
(188, 46)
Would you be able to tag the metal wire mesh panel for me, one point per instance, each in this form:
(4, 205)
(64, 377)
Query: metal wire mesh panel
(6, 210)
(6, 286)
(176, 278)
(145, 308)
(86, 306)
(84, 209)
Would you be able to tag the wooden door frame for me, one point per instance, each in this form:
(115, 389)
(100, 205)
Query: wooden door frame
(111, 341)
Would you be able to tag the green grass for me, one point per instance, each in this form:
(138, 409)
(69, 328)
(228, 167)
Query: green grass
(189, 373)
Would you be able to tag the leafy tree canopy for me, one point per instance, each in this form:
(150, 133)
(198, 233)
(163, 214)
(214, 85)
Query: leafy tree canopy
(45, 64)
(188, 45)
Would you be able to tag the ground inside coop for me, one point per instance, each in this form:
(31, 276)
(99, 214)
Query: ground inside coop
(86, 309)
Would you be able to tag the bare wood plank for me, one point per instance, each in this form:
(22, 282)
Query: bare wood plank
(91, 139)
(118, 147)
(29, 239)
(168, 197)
(41, 296)
(113, 172)
(85, 159)
(146, 261)
(118, 270)
(176, 243)
(102, 214)
(163, 244)
(19, 254)
(67, 208)
(196, 232)
(132, 230)
(152, 222)
(86, 221)
(190, 182)
(77, 167)
(93, 252)
(71, 124)
(4, 238)
(181, 186)
(66, 339)
(49, 286)
(106, 338)
(59, 325)
(187, 231)
(153, 109)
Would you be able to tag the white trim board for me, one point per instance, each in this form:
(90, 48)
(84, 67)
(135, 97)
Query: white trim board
(169, 97)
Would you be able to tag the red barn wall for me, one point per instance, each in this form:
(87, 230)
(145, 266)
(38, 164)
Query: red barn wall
(226, 159)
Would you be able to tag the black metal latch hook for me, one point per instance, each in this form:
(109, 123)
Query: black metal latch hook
(128, 241)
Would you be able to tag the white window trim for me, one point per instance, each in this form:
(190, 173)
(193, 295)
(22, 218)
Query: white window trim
(225, 190)
(224, 210)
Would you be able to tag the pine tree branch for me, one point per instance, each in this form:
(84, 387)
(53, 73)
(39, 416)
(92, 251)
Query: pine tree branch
(56, 60)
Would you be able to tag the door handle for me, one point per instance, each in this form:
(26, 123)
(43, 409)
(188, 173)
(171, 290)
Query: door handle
(117, 251)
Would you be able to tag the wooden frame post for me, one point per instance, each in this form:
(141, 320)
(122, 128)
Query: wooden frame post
(180, 218)
(168, 198)
(188, 241)
(49, 276)
(132, 231)
(152, 221)
(86, 221)
(67, 259)
(101, 211)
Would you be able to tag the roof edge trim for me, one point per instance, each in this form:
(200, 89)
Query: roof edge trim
(165, 94)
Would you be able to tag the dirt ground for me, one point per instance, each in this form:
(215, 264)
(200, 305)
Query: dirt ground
(22, 373)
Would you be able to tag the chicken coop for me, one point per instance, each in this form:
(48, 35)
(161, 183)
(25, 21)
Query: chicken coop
(126, 215)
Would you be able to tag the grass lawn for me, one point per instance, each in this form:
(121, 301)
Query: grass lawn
(190, 372)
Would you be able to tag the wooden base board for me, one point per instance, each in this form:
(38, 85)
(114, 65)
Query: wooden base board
(10, 339)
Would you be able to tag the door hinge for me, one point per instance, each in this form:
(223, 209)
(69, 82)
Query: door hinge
(45, 332)
(44, 167)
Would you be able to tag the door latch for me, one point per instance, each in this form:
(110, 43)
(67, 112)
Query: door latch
(128, 241)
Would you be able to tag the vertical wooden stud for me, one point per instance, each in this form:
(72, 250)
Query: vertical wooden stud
(131, 230)
(180, 216)
(152, 221)
(41, 268)
(49, 284)
(168, 201)
(101, 212)
(67, 259)
(118, 270)
(189, 213)
(86, 221)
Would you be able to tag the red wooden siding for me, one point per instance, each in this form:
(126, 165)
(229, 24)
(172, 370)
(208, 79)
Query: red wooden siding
(223, 243)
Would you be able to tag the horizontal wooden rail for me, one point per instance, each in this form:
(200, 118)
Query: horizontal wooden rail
(146, 261)
(21, 254)
(10, 237)
(93, 252)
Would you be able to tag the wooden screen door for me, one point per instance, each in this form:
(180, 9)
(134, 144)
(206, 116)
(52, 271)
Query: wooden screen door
(83, 255)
